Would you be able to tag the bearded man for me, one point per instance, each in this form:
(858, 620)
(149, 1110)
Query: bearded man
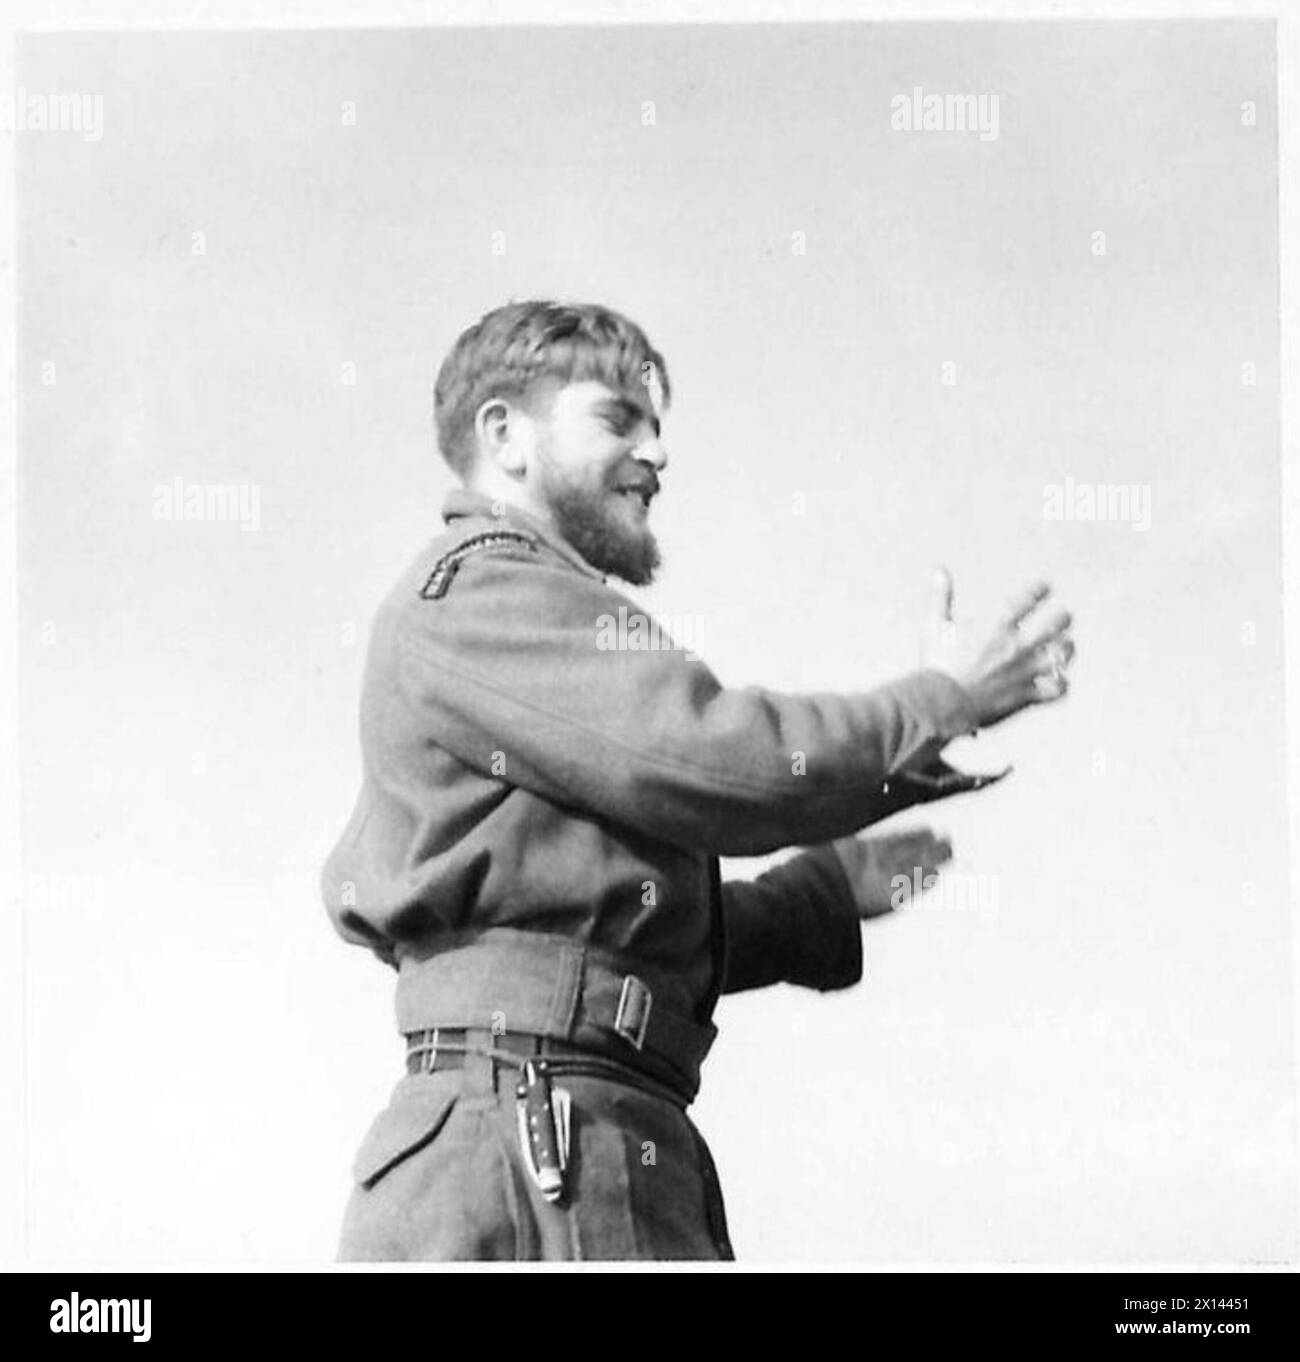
(535, 846)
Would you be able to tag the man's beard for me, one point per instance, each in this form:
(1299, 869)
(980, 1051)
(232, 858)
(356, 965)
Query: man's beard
(589, 521)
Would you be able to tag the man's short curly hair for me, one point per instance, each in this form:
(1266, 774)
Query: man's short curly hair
(512, 348)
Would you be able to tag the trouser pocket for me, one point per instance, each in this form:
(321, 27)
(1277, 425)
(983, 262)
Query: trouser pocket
(418, 1111)
(432, 1184)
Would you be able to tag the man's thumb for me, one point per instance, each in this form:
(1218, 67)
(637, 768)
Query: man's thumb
(943, 593)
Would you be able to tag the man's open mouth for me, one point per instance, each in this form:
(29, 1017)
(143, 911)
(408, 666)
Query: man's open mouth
(642, 492)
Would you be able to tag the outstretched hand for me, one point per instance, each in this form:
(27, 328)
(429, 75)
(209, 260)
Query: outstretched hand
(1021, 663)
(872, 864)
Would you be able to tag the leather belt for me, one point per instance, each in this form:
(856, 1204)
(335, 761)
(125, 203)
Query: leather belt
(444, 1047)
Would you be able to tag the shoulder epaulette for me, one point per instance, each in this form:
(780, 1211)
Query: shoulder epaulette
(445, 569)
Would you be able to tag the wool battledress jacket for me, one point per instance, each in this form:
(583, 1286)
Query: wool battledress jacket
(541, 814)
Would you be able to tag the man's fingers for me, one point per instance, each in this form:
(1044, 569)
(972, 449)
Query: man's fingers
(933, 848)
(1051, 657)
(901, 843)
(1050, 686)
(1024, 605)
(935, 857)
(942, 590)
(922, 848)
(1048, 689)
(1054, 656)
(1047, 633)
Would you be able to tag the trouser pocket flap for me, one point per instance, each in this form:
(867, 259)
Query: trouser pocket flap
(413, 1118)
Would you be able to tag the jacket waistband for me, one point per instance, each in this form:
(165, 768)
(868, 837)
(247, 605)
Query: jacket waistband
(511, 982)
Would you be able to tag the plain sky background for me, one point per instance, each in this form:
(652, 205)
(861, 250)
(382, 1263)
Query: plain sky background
(1100, 1070)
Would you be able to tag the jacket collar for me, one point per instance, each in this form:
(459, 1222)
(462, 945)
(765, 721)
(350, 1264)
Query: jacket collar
(464, 503)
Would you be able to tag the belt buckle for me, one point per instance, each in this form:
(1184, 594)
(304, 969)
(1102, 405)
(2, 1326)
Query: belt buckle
(633, 1015)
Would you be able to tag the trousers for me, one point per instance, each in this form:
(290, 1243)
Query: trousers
(441, 1177)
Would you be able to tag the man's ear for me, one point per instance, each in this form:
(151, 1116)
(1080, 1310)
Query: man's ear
(497, 431)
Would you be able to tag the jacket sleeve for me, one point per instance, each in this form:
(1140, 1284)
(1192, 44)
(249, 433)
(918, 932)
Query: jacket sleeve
(794, 924)
(507, 672)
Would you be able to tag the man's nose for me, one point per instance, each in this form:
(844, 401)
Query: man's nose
(651, 450)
